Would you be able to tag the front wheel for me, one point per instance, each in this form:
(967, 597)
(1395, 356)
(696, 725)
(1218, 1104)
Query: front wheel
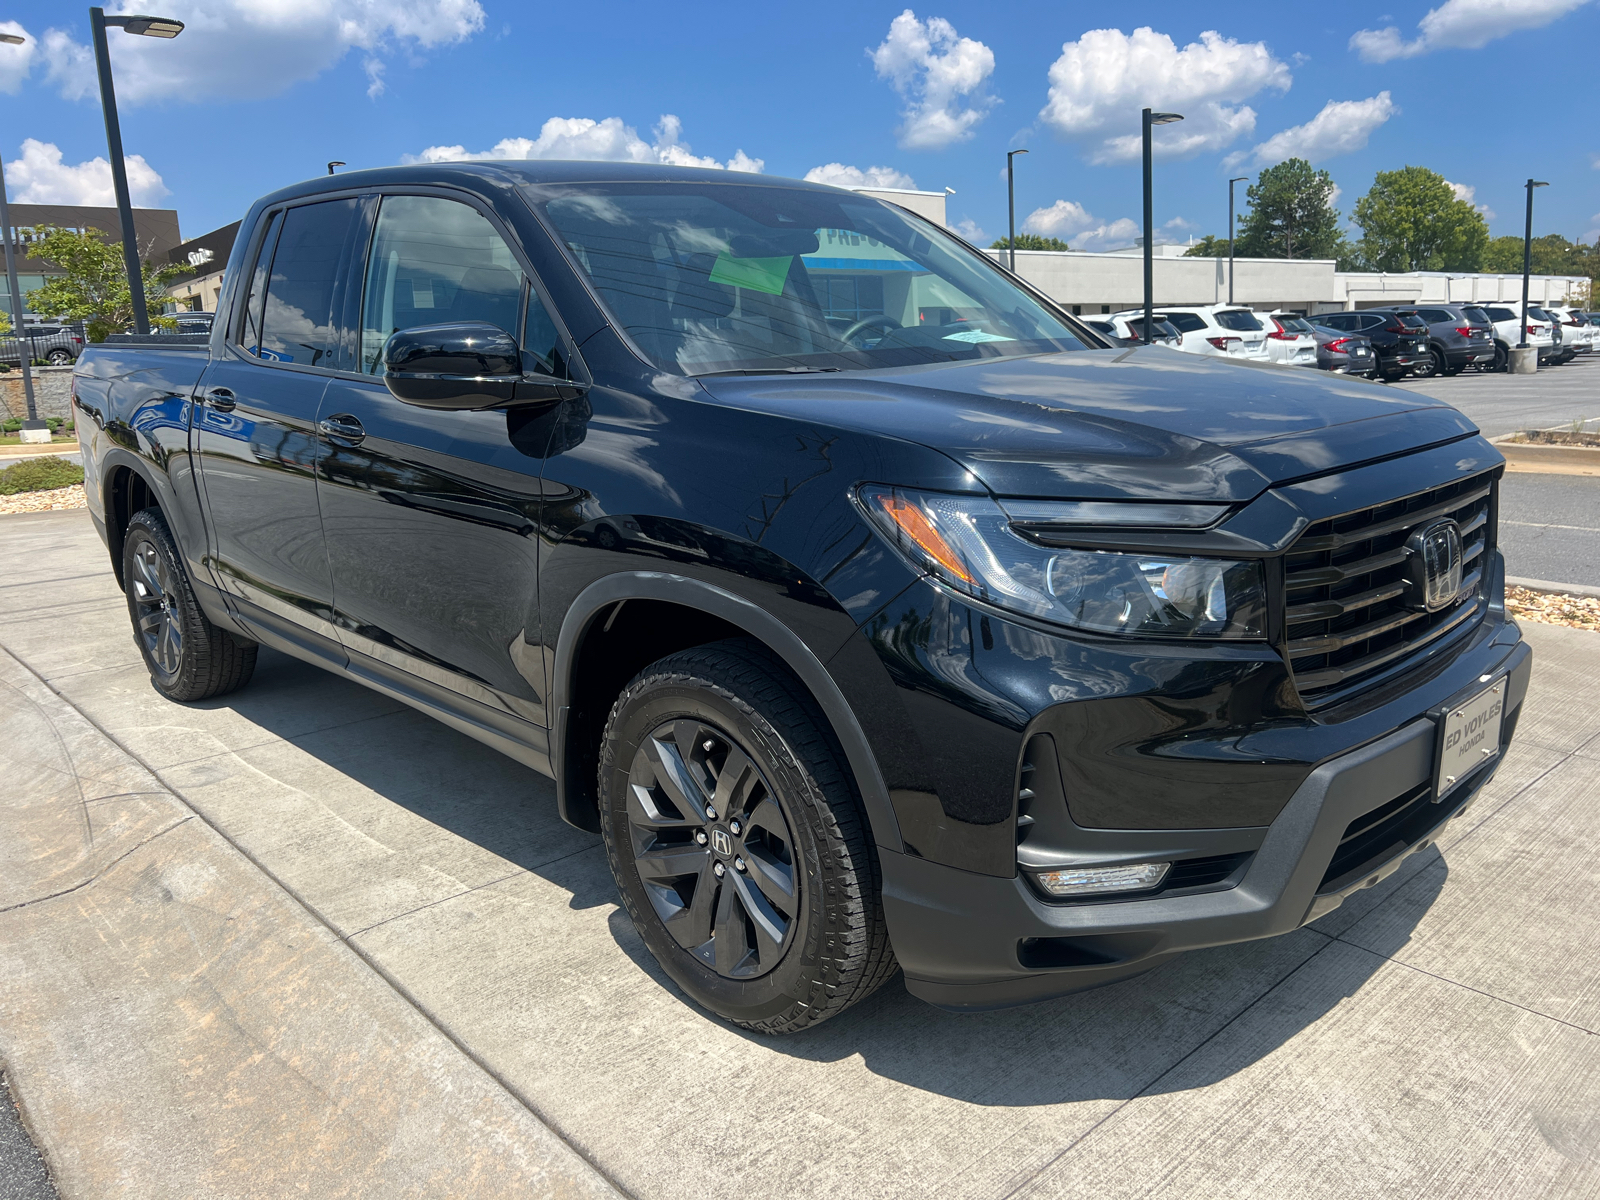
(58, 358)
(187, 656)
(738, 842)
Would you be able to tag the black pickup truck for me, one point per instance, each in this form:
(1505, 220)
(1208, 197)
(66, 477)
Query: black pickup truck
(877, 613)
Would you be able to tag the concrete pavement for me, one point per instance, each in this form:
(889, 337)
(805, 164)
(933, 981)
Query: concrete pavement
(1436, 1036)
(1499, 403)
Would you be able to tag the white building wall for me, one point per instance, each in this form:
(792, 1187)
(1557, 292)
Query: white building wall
(1096, 283)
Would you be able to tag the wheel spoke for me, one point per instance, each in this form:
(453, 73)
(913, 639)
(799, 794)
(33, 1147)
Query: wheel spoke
(169, 644)
(151, 620)
(735, 784)
(645, 813)
(768, 926)
(674, 776)
(147, 571)
(691, 926)
(775, 879)
(767, 815)
(730, 934)
(672, 862)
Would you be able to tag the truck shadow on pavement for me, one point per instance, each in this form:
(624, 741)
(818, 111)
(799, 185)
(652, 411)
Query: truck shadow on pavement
(1193, 1021)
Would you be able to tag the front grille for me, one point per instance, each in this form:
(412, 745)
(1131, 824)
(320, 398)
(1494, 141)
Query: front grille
(1345, 578)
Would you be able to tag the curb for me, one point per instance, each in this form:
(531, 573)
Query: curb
(1554, 589)
(39, 450)
(1550, 460)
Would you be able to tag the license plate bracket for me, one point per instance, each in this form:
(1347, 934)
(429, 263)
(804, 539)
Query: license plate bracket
(1469, 736)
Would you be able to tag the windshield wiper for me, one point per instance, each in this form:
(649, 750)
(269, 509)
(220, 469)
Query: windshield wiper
(766, 371)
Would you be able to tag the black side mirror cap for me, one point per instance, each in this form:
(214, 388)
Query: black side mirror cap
(465, 365)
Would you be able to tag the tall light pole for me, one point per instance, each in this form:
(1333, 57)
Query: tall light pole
(1231, 182)
(1527, 260)
(24, 354)
(159, 27)
(1011, 205)
(1150, 119)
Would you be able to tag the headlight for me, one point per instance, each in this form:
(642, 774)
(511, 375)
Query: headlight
(969, 542)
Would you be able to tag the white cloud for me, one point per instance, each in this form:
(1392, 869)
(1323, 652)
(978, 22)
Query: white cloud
(940, 75)
(15, 61)
(1461, 25)
(1469, 194)
(1343, 126)
(605, 141)
(1074, 224)
(40, 177)
(1103, 79)
(971, 230)
(839, 175)
(233, 49)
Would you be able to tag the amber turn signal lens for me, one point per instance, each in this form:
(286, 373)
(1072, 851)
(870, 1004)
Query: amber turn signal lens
(908, 518)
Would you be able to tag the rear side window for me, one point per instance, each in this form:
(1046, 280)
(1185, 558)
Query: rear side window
(1373, 322)
(1475, 315)
(434, 262)
(1185, 322)
(1102, 327)
(1500, 314)
(297, 322)
(1238, 319)
(1434, 316)
(250, 327)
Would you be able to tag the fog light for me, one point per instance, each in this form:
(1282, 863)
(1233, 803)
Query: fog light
(1097, 881)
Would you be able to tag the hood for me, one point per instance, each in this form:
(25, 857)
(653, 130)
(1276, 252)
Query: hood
(1142, 423)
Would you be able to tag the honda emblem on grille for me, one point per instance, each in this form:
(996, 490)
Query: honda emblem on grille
(721, 842)
(1434, 566)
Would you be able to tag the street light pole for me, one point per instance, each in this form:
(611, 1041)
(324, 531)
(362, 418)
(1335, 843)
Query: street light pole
(1527, 260)
(1231, 182)
(1150, 119)
(25, 355)
(1011, 206)
(149, 27)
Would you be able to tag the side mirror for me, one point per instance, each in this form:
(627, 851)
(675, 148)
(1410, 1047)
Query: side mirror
(468, 365)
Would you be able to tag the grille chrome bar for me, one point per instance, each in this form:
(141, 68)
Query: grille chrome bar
(1408, 521)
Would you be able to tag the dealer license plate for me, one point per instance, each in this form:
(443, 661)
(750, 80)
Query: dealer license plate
(1469, 736)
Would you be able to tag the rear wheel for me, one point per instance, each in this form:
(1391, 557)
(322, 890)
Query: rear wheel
(1502, 357)
(1429, 367)
(57, 358)
(188, 657)
(738, 842)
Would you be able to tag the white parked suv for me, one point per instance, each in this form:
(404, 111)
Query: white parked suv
(1507, 320)
(1222, 330)
(1130, 328)
(1577, 328)
(1289, 339)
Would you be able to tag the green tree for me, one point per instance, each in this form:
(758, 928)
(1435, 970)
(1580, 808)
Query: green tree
(95, 287)
(1291, 215)
(1210, 246)
(1030, 241)
(1410, 220)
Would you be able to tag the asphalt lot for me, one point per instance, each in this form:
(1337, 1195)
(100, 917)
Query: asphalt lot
(1500, 403)
(319, 943)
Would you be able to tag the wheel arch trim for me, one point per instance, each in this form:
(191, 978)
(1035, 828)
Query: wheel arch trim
(591, 604)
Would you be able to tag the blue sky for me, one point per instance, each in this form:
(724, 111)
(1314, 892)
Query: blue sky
(258, 93)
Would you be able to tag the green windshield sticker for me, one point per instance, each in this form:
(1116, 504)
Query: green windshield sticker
(975, 335)
(757, 274)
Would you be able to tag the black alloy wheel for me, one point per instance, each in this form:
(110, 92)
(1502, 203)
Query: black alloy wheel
(188, 657)
(738, 841)
(1429, 367)
(712, 848)
(1502, 358)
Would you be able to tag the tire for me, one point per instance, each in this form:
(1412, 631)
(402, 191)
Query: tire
(791, 932)
(1502, 358)
(58, 358)
(1432, 369)
(188, 657)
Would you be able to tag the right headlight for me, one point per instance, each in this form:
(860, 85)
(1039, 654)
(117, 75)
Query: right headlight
(972, 544)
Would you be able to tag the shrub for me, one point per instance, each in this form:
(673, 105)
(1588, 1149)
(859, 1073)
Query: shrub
(38, 475)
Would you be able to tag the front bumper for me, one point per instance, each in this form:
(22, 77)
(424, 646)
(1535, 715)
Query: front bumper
(973, 941)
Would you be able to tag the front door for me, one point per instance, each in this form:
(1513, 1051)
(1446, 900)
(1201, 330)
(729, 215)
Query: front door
(255, 423)
(431, 516)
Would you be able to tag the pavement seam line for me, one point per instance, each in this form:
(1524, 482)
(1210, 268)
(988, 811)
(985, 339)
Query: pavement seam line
(395, 985)
(294, 740)
(1328, 940)
(101, 871)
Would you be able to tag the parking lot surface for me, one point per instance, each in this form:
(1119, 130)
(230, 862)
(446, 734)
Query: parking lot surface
(379, 951)
(1501, 403)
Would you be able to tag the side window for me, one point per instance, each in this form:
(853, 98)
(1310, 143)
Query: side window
(541, 343)
(297, 322)
(250, 325)
(1373, 322)
(1186, 322)
(434, 262)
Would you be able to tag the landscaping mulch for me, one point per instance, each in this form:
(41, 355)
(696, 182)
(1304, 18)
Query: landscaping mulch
(1575, 612)
(50, 500)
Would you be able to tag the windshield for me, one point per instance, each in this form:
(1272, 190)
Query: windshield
(725, 277)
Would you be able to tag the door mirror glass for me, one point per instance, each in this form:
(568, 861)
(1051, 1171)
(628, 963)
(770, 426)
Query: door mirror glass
(461, 365)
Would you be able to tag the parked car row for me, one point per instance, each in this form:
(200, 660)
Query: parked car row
(57, 345)
(1390, 343)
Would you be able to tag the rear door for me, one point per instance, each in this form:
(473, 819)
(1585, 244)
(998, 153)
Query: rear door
(255, 423)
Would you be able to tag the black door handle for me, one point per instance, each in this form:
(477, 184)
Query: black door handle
(341, 427)
(221, 399)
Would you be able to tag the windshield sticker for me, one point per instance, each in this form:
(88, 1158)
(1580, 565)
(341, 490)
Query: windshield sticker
(757, 274)
(976, 335)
